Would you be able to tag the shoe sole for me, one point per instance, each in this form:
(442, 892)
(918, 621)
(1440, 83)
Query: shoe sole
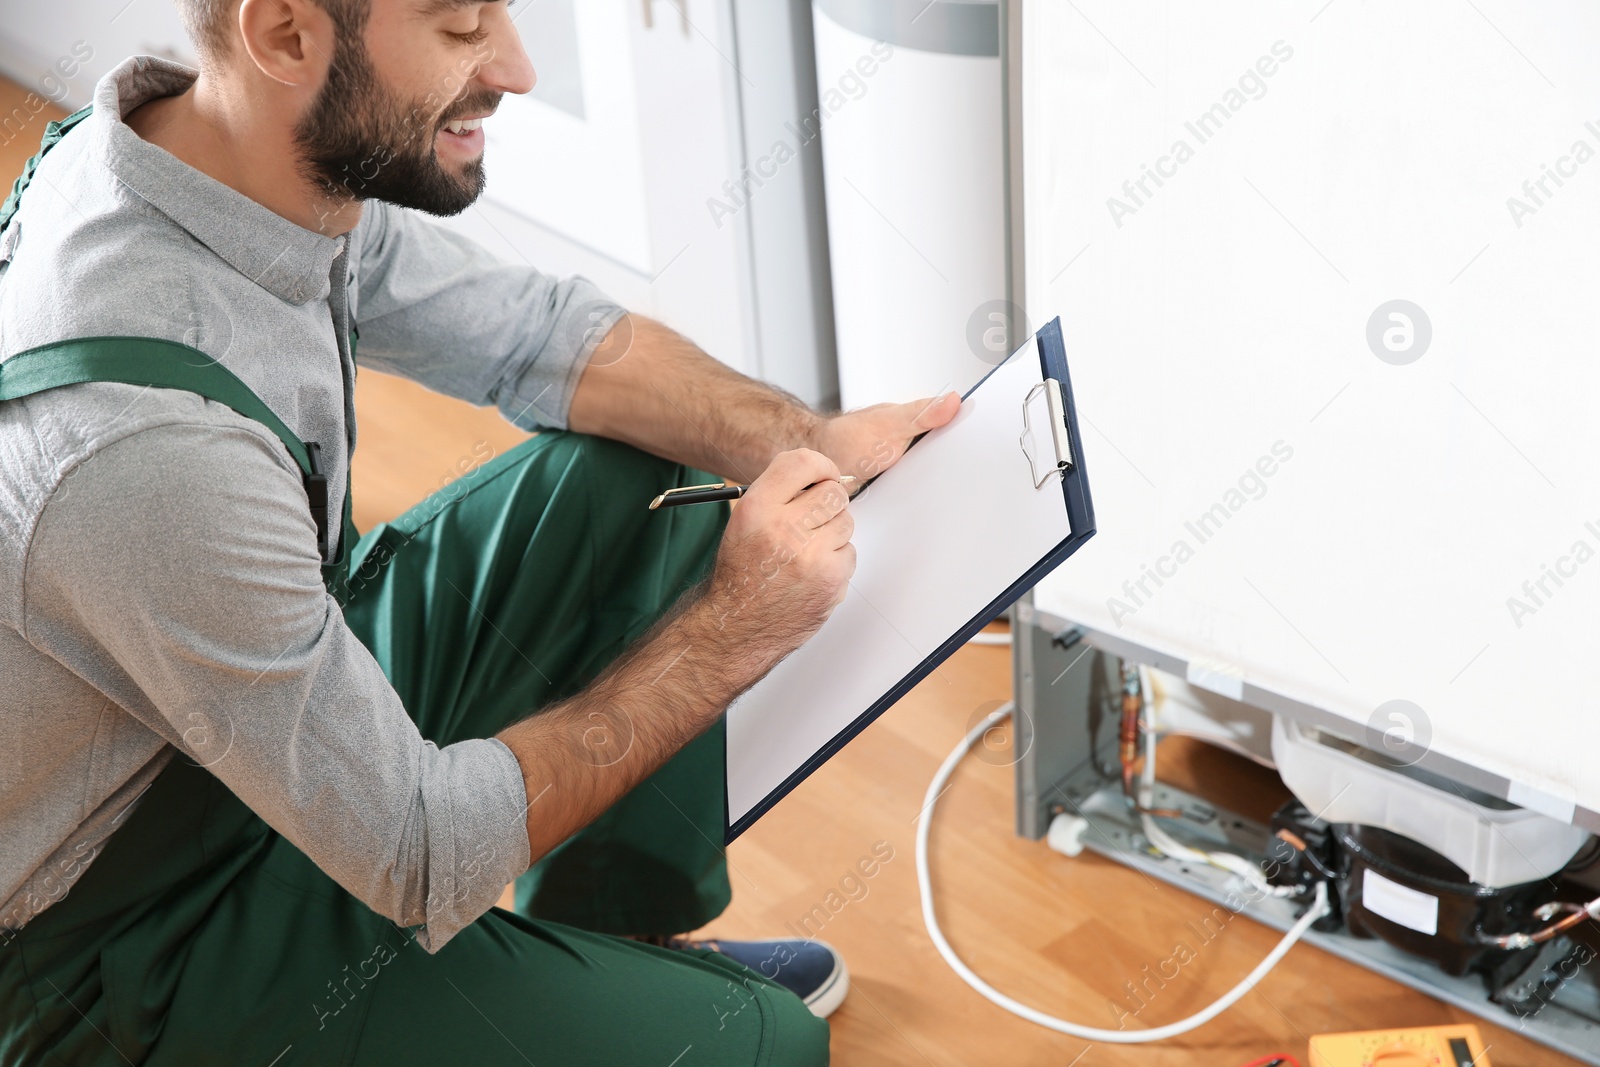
(827, 997)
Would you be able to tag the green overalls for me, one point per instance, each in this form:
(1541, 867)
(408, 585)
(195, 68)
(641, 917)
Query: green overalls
(201, 936)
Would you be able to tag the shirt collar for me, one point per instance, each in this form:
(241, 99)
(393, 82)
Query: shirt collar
(288, 260)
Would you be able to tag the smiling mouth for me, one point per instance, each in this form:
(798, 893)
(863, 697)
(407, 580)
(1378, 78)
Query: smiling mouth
(460, 126)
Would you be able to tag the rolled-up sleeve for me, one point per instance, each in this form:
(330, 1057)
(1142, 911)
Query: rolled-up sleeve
(434, 306)
(183, 560)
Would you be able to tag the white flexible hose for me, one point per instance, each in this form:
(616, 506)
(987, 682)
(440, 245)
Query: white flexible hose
(1147, 725)
(936, 787)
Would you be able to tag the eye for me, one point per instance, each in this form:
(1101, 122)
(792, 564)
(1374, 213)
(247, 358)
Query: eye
(475, 37)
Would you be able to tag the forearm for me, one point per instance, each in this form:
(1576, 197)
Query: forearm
(580, 756)
(650, 387)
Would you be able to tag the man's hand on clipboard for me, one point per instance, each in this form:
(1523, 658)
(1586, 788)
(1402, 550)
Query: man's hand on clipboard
(868, 441)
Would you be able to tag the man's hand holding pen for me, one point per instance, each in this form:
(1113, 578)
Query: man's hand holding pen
(786, 559)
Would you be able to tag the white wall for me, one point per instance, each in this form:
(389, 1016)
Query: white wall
(33, 39)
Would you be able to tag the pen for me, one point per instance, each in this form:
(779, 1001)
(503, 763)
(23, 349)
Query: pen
(704, 494)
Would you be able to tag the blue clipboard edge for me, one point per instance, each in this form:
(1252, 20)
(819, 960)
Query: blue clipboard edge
(1080, 513)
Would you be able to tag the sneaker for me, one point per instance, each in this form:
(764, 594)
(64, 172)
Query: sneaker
(811, 970)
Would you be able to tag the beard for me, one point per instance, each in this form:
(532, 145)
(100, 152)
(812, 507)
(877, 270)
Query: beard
(358, 141)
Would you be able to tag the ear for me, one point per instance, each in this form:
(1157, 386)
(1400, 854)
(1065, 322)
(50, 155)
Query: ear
(290, 41)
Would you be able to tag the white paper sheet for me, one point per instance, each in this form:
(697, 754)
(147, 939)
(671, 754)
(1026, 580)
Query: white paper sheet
(938, 537)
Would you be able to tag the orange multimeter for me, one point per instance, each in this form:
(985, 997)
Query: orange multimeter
(1429, 1046)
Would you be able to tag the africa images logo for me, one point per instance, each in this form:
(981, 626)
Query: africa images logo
(1252, 85)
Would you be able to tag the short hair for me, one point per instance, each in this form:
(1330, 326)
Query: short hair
(210, 22)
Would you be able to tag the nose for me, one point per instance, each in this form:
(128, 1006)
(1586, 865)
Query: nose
(508, 69)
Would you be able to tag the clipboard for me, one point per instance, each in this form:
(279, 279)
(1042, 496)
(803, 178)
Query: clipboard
(969, 519)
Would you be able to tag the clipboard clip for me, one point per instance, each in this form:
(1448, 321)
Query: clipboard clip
(1057, 457)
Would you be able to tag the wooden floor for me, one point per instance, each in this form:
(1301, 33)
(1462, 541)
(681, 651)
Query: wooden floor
(1062, 935)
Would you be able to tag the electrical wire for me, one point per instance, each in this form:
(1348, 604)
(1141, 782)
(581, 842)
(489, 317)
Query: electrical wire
(1164, 842)
(936, 788)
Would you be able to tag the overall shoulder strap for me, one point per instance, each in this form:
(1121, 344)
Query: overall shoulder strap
(53, 132)
(167, 365)
(140, 361)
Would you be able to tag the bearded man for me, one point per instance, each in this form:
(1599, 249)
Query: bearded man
(265, 777)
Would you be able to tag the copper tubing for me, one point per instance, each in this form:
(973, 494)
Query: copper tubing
(1576, 914)
(1128, 738)
(1296, 842)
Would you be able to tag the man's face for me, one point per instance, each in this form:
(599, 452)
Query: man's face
(415, 143)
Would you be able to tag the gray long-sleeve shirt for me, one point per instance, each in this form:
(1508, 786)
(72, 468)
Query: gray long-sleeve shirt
(160, 587)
